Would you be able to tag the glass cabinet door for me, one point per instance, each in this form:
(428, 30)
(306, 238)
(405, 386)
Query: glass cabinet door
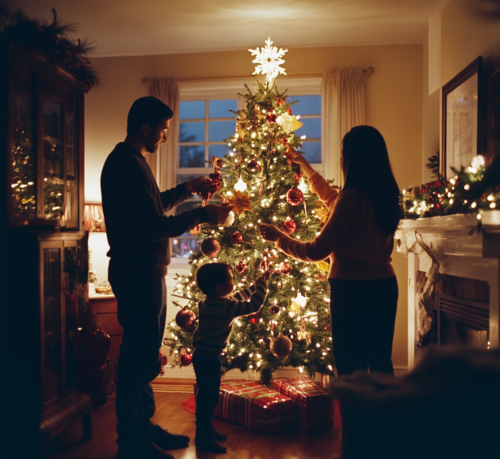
(51, 327)
(71, 298)
(23, 186)
(53, 158)
(72, 164)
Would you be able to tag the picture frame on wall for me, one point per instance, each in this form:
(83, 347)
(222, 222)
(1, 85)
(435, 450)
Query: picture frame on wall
(463, 118)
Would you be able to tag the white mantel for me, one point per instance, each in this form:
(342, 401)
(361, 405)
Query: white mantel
(463, 251)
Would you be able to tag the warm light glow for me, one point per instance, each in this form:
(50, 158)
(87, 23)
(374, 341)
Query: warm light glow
(240, 185)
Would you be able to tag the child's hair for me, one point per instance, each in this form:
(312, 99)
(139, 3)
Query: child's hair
(210, 275)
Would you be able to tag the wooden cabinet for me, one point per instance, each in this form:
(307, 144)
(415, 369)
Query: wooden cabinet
(106, 308)
(63, 308)
(43, 251)
(44, 139)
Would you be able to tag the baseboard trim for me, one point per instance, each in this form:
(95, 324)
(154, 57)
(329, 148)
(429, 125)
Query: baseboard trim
(188, 373)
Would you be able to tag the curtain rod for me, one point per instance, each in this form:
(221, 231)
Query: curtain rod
(368, 70)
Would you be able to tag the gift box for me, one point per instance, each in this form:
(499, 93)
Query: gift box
(313, 406)
(253, 405)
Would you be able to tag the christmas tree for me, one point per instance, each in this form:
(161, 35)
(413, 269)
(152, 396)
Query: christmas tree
(292, 329)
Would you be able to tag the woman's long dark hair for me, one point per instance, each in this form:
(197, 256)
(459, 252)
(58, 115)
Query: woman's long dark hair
(367, 169)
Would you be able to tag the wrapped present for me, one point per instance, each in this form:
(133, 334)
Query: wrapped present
(313, 406)
(253, 405)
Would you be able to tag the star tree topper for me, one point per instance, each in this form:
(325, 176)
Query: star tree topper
(269, 60)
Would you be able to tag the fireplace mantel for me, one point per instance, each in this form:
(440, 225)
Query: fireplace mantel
(463, 249)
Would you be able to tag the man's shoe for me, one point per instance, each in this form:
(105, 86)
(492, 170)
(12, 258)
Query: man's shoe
(145, 450)
(166, 440)
(210, 444)
(218, 436)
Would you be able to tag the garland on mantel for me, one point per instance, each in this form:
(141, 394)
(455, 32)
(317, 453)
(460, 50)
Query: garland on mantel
(465, 193)
(51, 41)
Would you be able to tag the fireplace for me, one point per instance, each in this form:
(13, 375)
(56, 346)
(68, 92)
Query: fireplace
(462, 321)
(466, 251)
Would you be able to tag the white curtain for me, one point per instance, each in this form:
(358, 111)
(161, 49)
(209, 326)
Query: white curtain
(343, 108)
(164, 162)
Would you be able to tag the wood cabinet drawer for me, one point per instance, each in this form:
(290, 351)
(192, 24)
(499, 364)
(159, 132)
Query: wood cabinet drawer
(104, 305)
(109, 323)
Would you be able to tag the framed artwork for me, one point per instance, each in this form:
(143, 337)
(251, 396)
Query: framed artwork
(464, 118)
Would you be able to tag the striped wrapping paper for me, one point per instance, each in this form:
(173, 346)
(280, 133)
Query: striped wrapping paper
(253, 405)
(313, 406)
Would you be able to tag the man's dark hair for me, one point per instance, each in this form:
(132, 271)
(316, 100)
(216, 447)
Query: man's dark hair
(210, 275)
(147, 110)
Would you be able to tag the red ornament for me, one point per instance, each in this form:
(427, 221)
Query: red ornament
(271, 117)
(274, 309)
(294, 196)
(254, 166)
(289, 110)
(289, 226)
(185, 318)
(284, 141)
(236, 238)
(240, 267)
(210, 247)
(252, 319)
(281, 346)
(285, 268)
(186, 359)
(163, 359)
(279, 102)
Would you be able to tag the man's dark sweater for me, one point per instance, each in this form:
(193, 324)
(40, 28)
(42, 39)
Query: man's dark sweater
(134, 211)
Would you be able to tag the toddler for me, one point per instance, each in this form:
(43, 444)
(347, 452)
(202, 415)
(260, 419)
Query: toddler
(215, 320)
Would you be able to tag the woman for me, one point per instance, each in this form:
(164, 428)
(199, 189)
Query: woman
(358, 237)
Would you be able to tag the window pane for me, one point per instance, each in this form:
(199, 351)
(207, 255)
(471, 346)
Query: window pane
(192, 132)
(217, 150)
(192, 110)
(220, 130)
(312, 152)
(192, 156)
(311, 128)
(220, 108)
(183, 246)
(307, 105)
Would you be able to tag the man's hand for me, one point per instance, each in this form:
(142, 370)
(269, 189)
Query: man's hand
(195, 185)
(269, 232)
(218, 214)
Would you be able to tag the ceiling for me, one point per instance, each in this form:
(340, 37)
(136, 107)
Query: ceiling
(140, 27)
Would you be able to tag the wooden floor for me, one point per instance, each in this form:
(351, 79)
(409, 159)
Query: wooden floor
(242, 443)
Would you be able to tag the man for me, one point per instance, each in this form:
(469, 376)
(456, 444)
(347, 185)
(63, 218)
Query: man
(138, 233)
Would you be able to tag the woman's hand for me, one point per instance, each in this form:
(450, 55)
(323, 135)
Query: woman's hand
(269, 232)
(298, 158)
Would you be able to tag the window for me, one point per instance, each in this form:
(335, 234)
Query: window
(309, 109)
(206, 120)
(203, 127)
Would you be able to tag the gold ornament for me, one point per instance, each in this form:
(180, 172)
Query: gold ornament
(302, 334)
(322, 213)
(323, 266)
(240, 203)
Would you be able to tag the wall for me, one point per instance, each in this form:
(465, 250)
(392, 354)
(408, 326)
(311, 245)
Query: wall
(457, 36)
(394, 106)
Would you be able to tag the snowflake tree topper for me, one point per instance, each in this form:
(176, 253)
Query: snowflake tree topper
(269, 60)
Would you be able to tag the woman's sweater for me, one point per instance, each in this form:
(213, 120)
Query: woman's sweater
(350, 237)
